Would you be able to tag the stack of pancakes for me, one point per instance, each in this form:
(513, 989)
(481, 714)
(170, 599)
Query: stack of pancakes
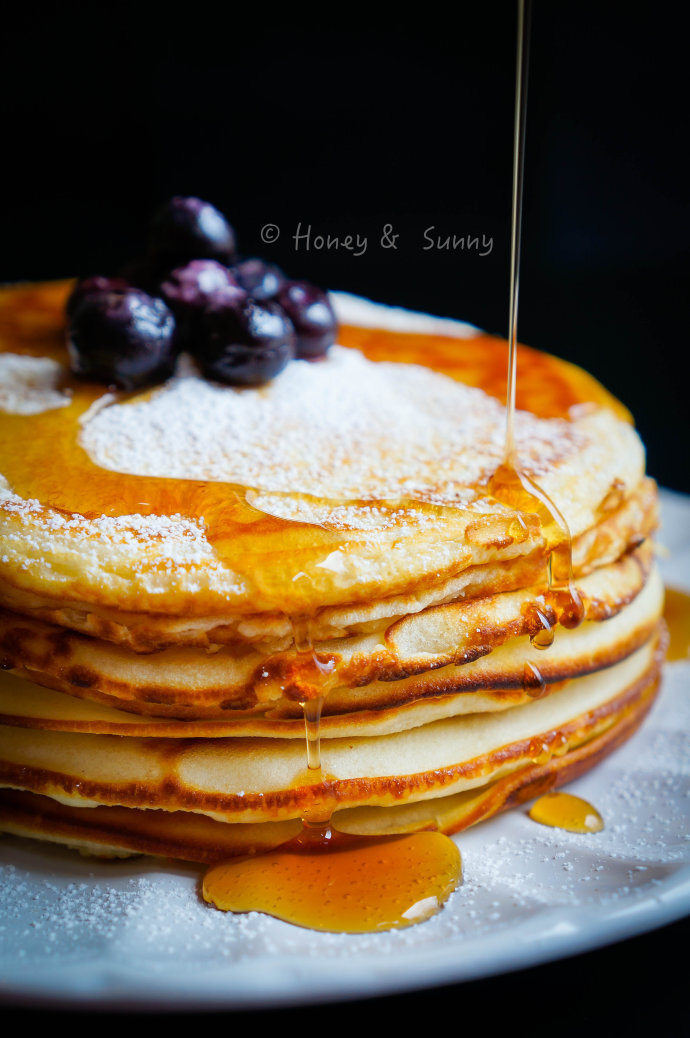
(188, 571)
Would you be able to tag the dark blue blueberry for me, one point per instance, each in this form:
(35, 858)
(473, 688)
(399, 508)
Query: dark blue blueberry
(194, 288)
(188, 228)
(90, 285)
(124, 338)
(312, 316)
(244, 342)
(259, 279)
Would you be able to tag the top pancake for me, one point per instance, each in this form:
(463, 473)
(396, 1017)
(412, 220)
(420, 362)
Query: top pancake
(353, 485)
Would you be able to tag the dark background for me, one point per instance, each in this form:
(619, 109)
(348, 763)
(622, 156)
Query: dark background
(108, 111)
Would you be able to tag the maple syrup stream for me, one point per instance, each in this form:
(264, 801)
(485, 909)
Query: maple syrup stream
(560, 601)
(328, 880)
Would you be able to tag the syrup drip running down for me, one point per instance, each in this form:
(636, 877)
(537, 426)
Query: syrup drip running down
(312, 731)
(509, 484)
(533, 681)
(541, 750)
(332, 881)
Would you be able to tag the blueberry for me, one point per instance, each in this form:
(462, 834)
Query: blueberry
(124, 338)
(196, 286)
(188, 228)
(259, 279)
(89, 286)
(244, 342)
(192, 289)
(312, 316)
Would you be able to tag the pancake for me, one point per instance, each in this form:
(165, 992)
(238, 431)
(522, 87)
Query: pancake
(451, 648)
(361, 506)
(240, 780)
(195, 563)
(500, 778)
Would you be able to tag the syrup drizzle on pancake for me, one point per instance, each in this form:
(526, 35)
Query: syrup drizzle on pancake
(543, 748)
(510, 484)
(533, 681)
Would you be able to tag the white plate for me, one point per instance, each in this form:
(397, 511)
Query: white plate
(136, 933)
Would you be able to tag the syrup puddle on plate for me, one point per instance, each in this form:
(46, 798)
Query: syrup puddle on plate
(565, 811)
(336, 882)
(677, 617)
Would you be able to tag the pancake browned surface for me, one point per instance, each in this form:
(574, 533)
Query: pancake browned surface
(162, 572)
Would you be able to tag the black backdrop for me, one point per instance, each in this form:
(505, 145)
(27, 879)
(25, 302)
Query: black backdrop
(349, 125)
(347, 130)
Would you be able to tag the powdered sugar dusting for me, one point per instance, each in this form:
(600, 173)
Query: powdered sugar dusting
(161, 549)
(29, 385)
(343, 428)
(125, 530)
